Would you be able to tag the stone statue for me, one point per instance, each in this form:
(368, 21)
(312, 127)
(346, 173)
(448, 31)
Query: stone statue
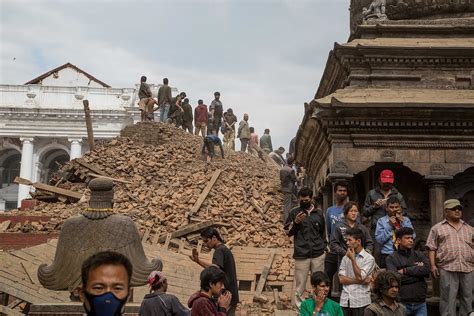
(96, 229)
(376, 11)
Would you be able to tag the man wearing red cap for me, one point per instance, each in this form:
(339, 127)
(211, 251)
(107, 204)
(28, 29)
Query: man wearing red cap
(376, 202)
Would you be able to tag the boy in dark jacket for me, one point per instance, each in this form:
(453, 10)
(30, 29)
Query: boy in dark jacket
(158, 302)
(414, 267)
(210, 301)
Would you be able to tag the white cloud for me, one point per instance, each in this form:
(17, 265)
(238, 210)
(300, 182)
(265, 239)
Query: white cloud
(265, 57)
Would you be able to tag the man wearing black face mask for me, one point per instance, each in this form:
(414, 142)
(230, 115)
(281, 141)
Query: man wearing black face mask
(106, 280)
(307, 226)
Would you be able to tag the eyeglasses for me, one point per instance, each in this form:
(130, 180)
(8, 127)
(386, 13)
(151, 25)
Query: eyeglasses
(454, 209)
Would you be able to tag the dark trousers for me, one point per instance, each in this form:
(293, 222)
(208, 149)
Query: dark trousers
(377, 251)
(331, 268)
(351, 311)
(382, 264)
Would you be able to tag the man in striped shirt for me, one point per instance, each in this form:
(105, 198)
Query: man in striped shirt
(451, 242)
(355, 275)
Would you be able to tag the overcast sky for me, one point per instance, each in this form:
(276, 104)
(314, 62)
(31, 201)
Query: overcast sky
(266, 57)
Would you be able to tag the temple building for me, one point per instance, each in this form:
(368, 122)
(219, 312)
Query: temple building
(42, 124)
(399, 95)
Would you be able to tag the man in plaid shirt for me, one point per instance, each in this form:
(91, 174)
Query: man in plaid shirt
(451, 242)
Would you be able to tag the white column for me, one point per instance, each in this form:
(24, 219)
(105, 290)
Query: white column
(1, 176)
(76, 148)
(2, 205)
(26, 167)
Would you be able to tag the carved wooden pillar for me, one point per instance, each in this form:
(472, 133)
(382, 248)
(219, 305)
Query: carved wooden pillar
(437, 188)
(326, 191)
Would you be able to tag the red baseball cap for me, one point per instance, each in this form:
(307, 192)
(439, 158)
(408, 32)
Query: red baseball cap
(386, 176)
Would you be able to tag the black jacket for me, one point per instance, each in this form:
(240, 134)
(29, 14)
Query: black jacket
(413, 289)
(309, 236)
(370, 211)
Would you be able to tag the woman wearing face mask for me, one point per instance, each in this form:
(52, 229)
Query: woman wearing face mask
(106, 280)
(319, 304)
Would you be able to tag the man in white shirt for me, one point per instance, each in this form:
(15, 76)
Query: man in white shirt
(355, 275)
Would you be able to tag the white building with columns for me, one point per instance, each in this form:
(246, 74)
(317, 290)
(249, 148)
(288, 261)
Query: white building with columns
(42, 123)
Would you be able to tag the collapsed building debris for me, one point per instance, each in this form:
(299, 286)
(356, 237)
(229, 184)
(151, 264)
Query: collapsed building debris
(163, 185)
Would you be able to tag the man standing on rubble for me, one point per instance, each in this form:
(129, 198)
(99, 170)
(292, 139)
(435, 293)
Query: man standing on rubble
(146, 100)
(307, 226)
(175, 115)
(164, 100)
(228, 125)
(288, 187)
(216, 108)
(200, 119)
(244, 133)
(266, 142)
(253, 142)
(223, 259)
(187, 116)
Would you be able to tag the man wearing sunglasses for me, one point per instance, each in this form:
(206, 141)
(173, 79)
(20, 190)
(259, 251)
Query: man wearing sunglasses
(451, 243)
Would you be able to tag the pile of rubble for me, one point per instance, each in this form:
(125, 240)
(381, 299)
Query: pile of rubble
(164, 185)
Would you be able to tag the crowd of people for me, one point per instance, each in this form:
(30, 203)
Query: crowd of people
(354, 269)
(352, 264)
(206, 121)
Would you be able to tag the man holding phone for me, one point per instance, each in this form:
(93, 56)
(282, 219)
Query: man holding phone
(387, 226)
(307, 226)
(376, 202)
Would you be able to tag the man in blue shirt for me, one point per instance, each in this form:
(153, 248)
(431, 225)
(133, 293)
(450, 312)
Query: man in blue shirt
(387, 227)
(209, 142)
(334, 216)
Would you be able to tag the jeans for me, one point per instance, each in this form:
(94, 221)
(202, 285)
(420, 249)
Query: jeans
(164, 109)
(416, 309)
